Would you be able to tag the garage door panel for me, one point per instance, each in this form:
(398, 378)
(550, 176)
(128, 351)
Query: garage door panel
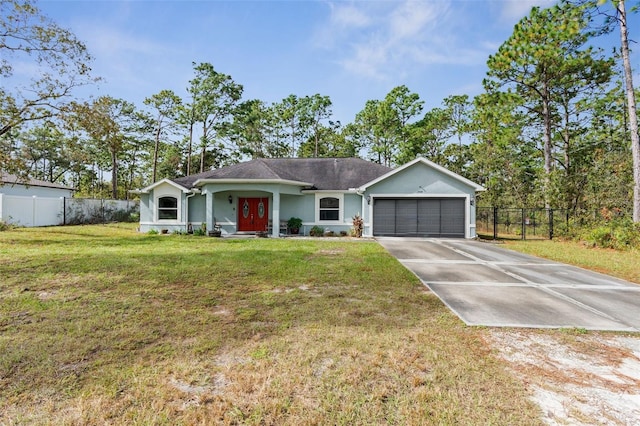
(429, 218)
(422, 217)
(452, 217)
(384, 217)
(406, 217)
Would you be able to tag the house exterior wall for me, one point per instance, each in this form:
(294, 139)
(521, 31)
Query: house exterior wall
(146, 214)
(197, 209)
(421, 179)
(304, 206)
(149, 209)
(352, 207)
(296, 206)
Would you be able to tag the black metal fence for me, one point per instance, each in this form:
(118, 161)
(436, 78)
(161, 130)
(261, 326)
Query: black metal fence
(520, 223)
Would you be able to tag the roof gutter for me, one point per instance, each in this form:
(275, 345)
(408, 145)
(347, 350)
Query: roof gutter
(328, 191)
(358, 191)
(201, 182)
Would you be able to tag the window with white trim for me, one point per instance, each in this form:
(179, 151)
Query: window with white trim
(167, 208)
(329, 207)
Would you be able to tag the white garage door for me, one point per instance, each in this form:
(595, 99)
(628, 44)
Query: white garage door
(419, 217)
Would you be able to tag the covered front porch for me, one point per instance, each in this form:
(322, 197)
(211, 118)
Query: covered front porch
(245, 209)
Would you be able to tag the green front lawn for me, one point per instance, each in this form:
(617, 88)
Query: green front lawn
(100, 325)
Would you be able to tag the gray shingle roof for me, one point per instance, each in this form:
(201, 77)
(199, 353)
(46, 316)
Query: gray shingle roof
(323, 173)
(9, 179)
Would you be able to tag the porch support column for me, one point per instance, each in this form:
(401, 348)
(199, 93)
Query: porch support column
(275, 218)
(209, 210)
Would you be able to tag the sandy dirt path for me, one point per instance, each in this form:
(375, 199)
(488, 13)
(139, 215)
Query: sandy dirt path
(576, 378)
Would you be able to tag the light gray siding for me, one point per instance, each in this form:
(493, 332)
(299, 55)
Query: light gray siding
(196, 209)
(297, 206)
(421, 179)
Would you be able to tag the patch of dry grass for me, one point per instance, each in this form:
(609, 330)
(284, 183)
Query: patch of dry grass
(99, 325)
(621, 264)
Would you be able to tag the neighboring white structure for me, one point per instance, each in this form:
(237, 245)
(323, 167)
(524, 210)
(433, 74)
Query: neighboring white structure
(31, 202)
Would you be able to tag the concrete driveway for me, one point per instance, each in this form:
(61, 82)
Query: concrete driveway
(485, 284)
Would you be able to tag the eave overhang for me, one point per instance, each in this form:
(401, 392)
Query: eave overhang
(202, 182)
(149, 188)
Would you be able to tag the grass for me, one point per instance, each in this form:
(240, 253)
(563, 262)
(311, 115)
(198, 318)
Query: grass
(619, 263)
(101, 325)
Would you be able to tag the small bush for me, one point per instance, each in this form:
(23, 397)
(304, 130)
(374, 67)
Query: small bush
(627, 235)
(199, 232)
(152, 232)
(317, 231)
(617, 234)
(124, 216)
(5, 226)
(294, 223)
(601, 237)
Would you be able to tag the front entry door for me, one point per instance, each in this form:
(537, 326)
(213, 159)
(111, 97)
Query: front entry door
(253, 214)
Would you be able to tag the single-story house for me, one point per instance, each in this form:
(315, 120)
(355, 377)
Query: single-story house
(419, 198)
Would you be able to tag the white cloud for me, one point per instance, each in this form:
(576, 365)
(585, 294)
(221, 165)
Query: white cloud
(381, 40)
(106, 41)
(368, 60)
(412, 18)
(348, 16)
(344, 20)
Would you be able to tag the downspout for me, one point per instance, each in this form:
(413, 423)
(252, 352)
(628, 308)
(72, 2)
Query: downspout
(193, 192)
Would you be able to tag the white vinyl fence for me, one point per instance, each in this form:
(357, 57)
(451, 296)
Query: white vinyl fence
(31, 211)
(47, 211)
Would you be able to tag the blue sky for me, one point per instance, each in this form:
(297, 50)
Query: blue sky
(351, 51)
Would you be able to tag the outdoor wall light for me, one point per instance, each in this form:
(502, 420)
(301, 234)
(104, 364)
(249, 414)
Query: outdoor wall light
(230, 199)
(368, 199)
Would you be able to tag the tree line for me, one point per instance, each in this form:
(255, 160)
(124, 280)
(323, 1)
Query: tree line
(554, 126)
